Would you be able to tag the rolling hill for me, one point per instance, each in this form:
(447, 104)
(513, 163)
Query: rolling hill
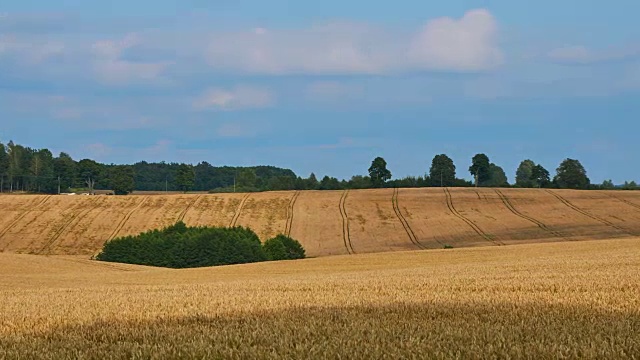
(328, 222)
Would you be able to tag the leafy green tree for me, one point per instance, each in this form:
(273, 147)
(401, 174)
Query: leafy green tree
(630, 185)
(378, 172)
(246, 178)
(42, 171)
(65, 168)
(311, 183)
(481, 169)
(442, 171)
(283, 247)
(540, 176)
(608, 185)
(571, 175)
(524, 174)
(89, 172)
(497, 178)
(360, 182)
(4, 167)
(330, 183)
(185, 177)
(121, 179)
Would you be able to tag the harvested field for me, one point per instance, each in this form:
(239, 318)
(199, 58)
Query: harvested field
(552, 300)
(328, 222)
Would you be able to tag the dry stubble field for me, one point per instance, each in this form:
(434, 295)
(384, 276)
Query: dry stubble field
(555, 300)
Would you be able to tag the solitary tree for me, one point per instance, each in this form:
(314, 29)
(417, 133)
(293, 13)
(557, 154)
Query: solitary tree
(442, 170)
(540, 176)
(480, 169)
(378, 172)
(524, 174)
(122, 179)
(185, 177)
(571, 175)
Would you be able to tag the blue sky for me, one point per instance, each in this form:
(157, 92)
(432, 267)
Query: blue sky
(325, 86)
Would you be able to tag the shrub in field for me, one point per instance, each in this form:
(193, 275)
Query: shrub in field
(180, 246)
(283, 247)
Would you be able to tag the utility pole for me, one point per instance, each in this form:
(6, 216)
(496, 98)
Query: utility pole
(166, 184)
(58, 184)
(476, 179)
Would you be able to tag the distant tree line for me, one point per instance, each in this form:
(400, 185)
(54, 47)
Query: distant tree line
(180, 246)
(39, 171)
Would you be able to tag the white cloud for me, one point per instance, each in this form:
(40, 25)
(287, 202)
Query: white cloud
(239, 97)
(467, 44)
(112, 69)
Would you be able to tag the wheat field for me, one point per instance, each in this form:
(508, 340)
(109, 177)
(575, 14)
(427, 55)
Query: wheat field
(551, 300)
(328, 222)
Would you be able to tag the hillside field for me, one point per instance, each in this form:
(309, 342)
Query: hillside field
(542, 301)
(327, 222)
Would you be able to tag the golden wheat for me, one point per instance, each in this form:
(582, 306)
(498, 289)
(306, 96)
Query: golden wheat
(559, 300)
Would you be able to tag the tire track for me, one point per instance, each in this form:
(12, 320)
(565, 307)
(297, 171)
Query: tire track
(625, 201)
(466, 220)
(405, 224)
(570, 205)
(236, 216)
(507, 203)
(346, 236)
(60, 231)
(184, 212)
(292, 203)
(126, 218)
(22, 215)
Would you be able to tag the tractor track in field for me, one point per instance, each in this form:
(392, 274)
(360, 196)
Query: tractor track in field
(184, 212)
(20, 217)
(405, 224)
(625, 201)
(466, 220)
(346, 236)
(292, 203)
(126, 218)
(60, 231)
(570, 205)
(236, 215)
(507, 203)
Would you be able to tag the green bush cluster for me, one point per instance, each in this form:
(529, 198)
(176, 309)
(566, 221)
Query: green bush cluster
(180, 246)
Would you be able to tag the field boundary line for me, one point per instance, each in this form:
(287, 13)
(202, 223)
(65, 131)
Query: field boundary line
(184, 212)
(507, 203)
(126, 218)
(60, 231)
(625, 201)
(346, 233)
(405, 224)
(20, 217)
(468, 221)
(292, 203)
(236, 215)
(570, 205)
